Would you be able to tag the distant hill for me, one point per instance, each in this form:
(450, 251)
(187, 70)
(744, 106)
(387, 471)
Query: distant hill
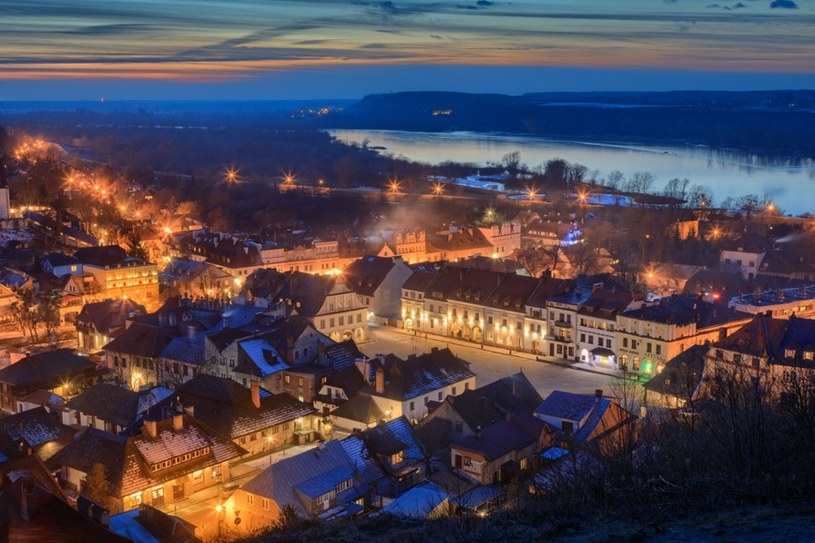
(771, 122)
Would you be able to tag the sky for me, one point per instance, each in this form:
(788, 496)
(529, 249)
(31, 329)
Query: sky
(306, 49)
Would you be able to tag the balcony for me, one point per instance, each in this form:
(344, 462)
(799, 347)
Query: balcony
(563, 324)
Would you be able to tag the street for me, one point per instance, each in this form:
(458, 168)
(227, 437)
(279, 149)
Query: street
(489, 366)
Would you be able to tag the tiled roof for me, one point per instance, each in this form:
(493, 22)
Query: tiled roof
(142, 339)
(261, 359)
(423, 374)
(324, 482)
(92, 446)
(361, 408)
(35, 426)
(48, 365)
(43, 397)
(189, 350)
(109, 317)
(226, 406)
(365, 275)
(771, 338)
(683, 310)
(419, 280)
(107, 402)
(489, 404)
(567, 405)
(418, 502)
(499, 439)
(340, 355)
(278, 481)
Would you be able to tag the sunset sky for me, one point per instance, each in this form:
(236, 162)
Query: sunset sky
(255, 49)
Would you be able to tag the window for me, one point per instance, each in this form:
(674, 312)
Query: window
(582, 338)
(454, 391)
(264, 502)
(809, 355)
(440, 395)
(659, 349)
(737, 358)
(789, 353)
(216, 472)
(625, 342)
(467, 386)
(287, 379)
(250, 499)
(299, 381)
(412, 406)
(134, 500)
(198, 476)
(468, 461)
(648, 347)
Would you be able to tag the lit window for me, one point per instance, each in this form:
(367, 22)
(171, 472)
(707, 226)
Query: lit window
(250, 499)
(198, 476)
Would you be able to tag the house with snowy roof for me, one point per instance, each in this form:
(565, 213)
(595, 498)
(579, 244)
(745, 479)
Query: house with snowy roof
(378, 283)
(389, 457)
(424, 501)
(110, 407)
(320, 483)
(399, 387)
(62, 372)
(501, 451)
(169, 460)
(461, 416)
(586, 419)
(100, 322)
(252, 418)
(778, 353)
(36, 431)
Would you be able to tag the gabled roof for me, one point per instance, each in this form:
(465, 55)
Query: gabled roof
(226, 406)
(567, 405)
(364, 275)
(747, 243)
(682, 374)
(101, 256)
(418, 502)
(500, 438)
(109, 317)
(35, 426)
(142, 339)
(59, 259)
(261, 358)
(772, 339)
(361, 408)
(279, 481)
(45, 366)
(493, 402)
(418, 375)
(108, 402)
(339, 356)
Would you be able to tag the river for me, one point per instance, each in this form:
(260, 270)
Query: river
(789, 183)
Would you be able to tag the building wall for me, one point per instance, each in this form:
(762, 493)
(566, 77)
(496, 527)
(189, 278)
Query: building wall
(139, 283)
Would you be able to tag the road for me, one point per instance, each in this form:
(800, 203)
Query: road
(490, 366)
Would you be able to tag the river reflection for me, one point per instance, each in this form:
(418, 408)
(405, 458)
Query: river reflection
(787, 181)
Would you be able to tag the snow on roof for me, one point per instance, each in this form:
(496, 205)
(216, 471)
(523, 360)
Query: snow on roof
(419, 502)
(324, 482)
(264, 356)
(169, 444)
(151, 397)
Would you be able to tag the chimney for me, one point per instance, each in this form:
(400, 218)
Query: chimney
(150, 428)
(380, 379)
(190, 410)
(255, 388)
(478, 432)
(598, 393)
(178, 421)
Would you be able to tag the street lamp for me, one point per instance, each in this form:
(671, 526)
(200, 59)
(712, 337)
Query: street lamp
(394, 185)
(231, 175)
(438, 189)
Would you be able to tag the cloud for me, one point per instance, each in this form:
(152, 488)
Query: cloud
(784, 4)
(484, 3)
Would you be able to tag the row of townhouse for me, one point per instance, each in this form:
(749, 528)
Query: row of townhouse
(590, 319)
(776, 354)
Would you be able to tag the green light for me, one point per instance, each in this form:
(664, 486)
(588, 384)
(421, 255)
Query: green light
(646, 366)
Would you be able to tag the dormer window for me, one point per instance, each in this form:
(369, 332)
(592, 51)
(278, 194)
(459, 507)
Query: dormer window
(809, 355)
(789, 353)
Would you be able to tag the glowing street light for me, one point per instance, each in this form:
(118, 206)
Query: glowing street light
(394, 186)
(770, 207)
(438, 189)
(231, 175)
(532, 193)
(288, 178)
